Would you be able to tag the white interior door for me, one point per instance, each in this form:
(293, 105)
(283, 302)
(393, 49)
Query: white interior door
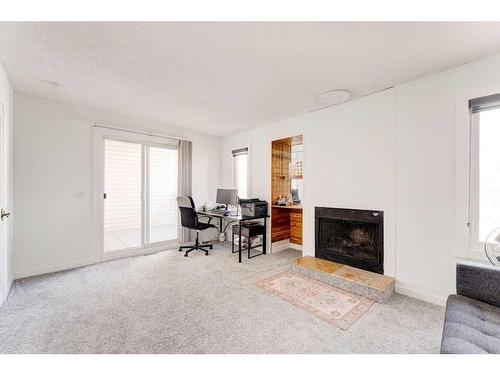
(3, 250)
(139, 194)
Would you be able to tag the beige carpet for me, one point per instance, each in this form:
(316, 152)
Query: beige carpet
(331, 304)
(167, 303)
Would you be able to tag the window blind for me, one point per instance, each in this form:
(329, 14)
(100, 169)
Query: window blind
(484, 103)
(240, 151)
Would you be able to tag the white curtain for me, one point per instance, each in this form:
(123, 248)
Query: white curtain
(185, 179)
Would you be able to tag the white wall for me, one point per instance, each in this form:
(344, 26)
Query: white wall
(402, 151)
(430, 202)
(6, 98)
(53, 159)
(348, 161)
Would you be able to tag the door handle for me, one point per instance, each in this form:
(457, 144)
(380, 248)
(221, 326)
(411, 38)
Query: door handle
(4, 214)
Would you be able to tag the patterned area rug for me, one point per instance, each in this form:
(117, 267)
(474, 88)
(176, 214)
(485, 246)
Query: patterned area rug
(331, 304)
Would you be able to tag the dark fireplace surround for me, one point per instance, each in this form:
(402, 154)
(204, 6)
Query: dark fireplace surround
(351, 237)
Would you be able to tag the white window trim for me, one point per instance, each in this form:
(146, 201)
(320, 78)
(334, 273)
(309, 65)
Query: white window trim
(464, 245)
(249, 169)
(473, 237)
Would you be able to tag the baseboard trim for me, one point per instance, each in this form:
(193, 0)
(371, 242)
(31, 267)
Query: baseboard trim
(9, 287)
(280, 246)
(413, 293)
(55, 268)
(91, 261)
(295, 246)
(7, 290)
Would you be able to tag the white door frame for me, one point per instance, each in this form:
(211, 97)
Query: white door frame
(99, 135)
(3, 250)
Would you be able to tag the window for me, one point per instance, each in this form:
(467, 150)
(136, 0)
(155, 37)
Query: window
(240, 171)
(484, 210)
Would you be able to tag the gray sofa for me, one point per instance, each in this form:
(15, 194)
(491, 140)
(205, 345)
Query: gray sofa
(472, 320)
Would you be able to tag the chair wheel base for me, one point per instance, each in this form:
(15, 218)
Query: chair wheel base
(206, 254)
(185, 255)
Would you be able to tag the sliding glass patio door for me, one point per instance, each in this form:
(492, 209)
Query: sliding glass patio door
(122, 195)
(140, 190)
(162, 213)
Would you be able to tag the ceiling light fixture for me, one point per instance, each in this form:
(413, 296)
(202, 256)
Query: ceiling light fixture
(334, 97)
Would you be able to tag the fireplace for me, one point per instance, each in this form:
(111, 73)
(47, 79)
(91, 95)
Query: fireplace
(351, 237)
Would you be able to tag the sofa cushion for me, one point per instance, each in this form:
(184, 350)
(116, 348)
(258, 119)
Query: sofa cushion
(479, 281)
(470, 326)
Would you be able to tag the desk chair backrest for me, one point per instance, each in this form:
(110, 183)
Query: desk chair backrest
(189, 216)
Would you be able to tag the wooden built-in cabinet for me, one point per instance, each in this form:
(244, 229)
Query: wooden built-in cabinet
(296, 226)
(280, 224)
(286, 221)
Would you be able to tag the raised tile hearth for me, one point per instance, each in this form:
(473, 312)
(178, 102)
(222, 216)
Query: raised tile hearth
(364, 283)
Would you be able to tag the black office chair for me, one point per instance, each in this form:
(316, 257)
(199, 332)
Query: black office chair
(189, 219)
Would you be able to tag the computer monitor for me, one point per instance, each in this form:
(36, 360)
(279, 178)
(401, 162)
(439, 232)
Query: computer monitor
(227, 196)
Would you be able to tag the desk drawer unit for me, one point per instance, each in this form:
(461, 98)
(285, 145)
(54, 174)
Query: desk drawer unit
(296, 226)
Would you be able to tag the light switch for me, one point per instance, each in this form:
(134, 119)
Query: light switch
(79, 194)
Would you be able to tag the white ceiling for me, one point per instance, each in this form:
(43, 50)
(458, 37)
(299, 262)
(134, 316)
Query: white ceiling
(220, 78)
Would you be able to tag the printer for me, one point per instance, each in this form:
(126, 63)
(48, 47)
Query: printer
(253, 207)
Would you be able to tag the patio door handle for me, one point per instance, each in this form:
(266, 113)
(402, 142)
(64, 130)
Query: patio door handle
(4, 214)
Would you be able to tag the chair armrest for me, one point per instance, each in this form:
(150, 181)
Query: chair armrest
(478, 281)
(204, 216)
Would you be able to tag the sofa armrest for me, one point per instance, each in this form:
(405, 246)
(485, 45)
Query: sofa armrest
(478, 281)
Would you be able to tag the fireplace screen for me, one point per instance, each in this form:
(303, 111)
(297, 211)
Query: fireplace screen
(348, 238)
(352, 237)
